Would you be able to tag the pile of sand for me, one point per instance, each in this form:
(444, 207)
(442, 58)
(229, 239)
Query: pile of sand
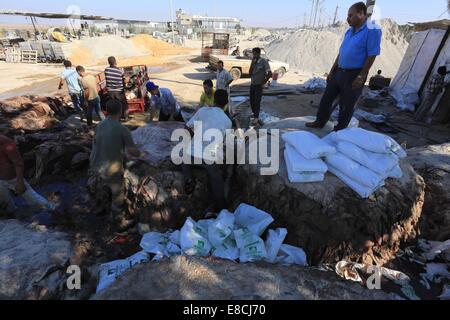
(315, 50)
(93, 51)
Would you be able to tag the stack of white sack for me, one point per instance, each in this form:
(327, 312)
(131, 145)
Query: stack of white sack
(364, 159)
(231, 236)
(303, 154)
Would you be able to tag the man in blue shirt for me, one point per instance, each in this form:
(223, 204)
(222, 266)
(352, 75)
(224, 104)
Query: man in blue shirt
(359, 49)
(73, 80)
(163, 100)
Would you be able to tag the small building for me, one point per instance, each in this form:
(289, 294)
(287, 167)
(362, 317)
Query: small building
(187, 21)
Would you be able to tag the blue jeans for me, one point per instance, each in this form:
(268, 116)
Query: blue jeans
(78, 101)
(94, 105)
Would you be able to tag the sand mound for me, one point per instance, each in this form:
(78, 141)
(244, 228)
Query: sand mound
(315, 50)
(94, 51)
(154, 46)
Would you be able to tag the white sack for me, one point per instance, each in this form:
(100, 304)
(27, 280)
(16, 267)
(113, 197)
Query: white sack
(300, 164)
(308, 144)
(291, 255)
(273, 243)
(227, 250)
(355, 171)
(221, 229)
(362, 191)
(377, 162)
(193, 239)
(301, 177)
(251, 246)
(371, 141)
(253, 219)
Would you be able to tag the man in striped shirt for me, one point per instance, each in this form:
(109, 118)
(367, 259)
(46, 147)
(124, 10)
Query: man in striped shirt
(115, 80)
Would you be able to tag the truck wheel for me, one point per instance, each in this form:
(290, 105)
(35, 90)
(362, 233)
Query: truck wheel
(281, 72)
(236, 73)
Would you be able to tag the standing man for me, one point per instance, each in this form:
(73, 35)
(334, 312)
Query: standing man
(359, 49)
(73, 81)
(12, 181)
(224, 78)
(435, 87)
(163, 100)
(115, 83)
(261, 73)
(89, 84)
(106, 171)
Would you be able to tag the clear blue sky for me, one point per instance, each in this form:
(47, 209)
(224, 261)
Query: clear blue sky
(268, 13)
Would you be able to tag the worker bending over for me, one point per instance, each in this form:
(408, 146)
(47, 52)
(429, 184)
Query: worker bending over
(12, 181)
(73, 82)
(163, 100)
(91, 96)
(359, 49)
(210, 118)
(106, 169)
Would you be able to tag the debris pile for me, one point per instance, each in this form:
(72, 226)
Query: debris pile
(315, 50)
(33, 113)
(315, 84)
(230, 236)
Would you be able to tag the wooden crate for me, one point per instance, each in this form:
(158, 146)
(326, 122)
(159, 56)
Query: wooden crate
(13, 55)
(29, 56)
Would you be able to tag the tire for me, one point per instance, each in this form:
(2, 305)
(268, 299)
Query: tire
(236, 73)
(281, 72)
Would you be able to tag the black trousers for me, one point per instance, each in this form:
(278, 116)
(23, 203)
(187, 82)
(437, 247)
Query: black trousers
(120, 96)
(216, 182)
(340, 85)
(255, 99)
(164, 118)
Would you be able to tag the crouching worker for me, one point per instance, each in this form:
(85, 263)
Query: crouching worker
(106, 172)
(210, 118)
(163, 100)
(13, 183)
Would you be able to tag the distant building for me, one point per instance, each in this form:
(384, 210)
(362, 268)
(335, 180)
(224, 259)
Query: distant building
(187, 21)
(120, 26)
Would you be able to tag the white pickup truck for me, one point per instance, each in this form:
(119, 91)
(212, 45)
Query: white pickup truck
(239, 66)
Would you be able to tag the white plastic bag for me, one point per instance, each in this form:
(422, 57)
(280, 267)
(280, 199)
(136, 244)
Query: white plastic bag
(377, 162)
(371, 141)
(154, 242)
(308, 144)
(291, 255)
(273, 243)
(355, 171)
(252, 218)
(109, 272)
(251, 246)
(227, 250)
(363, 191)
(193, 239)
(302, 177)
(221, 229)
(300, 164)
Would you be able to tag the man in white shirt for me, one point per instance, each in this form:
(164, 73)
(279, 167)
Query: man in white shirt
(224, 78)
(210, 118)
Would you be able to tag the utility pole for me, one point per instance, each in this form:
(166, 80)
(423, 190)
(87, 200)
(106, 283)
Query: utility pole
(305, 18)
(318, 5)
(335, 15)
(173, 24)
(312, 12)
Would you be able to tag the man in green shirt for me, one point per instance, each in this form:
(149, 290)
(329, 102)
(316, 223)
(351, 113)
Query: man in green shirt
(207, 98)
(106, 169)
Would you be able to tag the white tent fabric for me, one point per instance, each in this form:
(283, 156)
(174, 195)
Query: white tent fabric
(417, 60)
